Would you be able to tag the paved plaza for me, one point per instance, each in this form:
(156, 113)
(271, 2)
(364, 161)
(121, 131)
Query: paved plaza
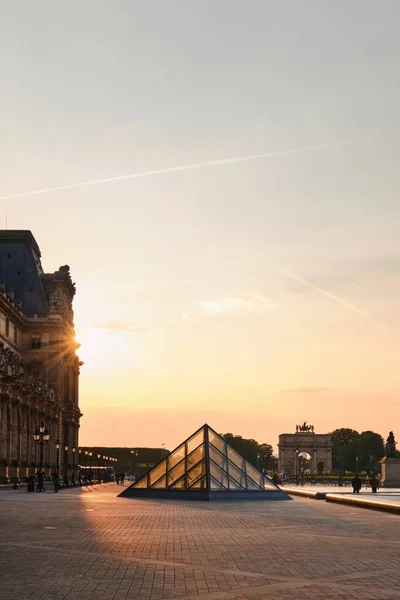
(384, 496)
(89, 544)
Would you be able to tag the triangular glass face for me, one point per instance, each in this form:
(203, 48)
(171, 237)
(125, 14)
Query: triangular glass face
(205, 462)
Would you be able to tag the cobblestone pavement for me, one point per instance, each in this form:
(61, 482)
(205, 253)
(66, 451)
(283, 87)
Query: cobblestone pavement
(90, 544)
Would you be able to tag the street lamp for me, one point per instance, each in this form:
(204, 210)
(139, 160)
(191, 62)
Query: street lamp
(73, 465)
(79, 466)
(41, 437)
(136, 454)
(90, 466)
(58, 446)
(66, 448)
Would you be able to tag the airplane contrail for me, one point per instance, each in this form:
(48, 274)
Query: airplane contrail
(322, 291)
(200, 165)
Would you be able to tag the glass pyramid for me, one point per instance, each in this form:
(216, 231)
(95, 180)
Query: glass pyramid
(204, 467)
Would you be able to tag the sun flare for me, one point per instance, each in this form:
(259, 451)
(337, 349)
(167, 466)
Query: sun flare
(100, 346)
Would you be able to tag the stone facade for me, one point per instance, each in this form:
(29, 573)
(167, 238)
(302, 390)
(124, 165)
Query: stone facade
(39, 368)
(318, 446)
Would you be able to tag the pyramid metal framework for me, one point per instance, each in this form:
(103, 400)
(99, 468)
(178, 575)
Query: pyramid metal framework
(205, 467)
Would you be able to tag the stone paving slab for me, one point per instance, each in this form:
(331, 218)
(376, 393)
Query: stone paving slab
(89, 544)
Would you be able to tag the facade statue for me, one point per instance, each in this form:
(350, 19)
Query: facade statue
(390, 446)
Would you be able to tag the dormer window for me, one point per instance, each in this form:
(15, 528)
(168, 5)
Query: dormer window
(36, 341)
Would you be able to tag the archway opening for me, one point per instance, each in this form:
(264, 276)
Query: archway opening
(305, 463)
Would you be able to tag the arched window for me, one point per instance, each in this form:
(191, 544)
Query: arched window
(36, 341)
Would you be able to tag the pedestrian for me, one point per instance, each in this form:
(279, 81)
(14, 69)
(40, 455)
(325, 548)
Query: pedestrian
(56, 481)
(122, 474)
(40, 479)
(374, 483)
(130, 477)
(356, 483)
(117, 478)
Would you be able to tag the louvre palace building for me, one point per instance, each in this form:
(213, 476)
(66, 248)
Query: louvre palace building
(39, 368)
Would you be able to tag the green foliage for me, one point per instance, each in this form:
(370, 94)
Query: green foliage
(259, 455)
(370, 449)
(344, 449)
(352, 451)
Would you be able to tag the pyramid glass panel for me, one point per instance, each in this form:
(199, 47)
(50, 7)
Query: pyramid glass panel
(268, 485)
(195, 441)
(217, 441)
(218, 457)
(237, 474)
(195, 473)
(200, 484)
(142, 483)
(252, 486)
(195, 457)
(179, 485)
(161, 483)
(254, 474)
(233, 485)
(219, 475)
(176, 473)
(236, 458)
(215, 485)
(176, 456)
(158, 472)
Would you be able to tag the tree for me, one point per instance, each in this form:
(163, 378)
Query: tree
(352, 451)
(370, 449)
(267, 461)
(259, 455)
(344, 449)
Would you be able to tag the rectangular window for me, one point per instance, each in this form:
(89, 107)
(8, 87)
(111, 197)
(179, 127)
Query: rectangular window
(8, 327)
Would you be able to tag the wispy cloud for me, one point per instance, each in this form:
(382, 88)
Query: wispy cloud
(193, 166)
(320, 290)
(238, 305)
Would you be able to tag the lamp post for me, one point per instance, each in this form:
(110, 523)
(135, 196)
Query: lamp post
(41, 437)
(58, 446)
(79, 466)
(66, 448)
(90, 466)
(73, 465)
(135, 454)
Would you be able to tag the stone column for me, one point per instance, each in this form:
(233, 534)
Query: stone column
(314, 461)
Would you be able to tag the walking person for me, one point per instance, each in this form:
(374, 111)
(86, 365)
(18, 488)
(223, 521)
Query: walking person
(40, 479)
(122, 474)
(374, 483)
(56, 482)
(356, 483)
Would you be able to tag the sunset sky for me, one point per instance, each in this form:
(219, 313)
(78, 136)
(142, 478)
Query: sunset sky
(252, 295)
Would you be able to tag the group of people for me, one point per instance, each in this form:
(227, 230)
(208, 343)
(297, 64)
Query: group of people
(279, 478)
(41, 478)
(372, 480)
(120, 478)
